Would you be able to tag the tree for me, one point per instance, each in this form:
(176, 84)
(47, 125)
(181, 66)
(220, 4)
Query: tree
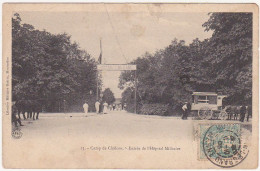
(108, 96)
(49, 67)
(230, 52)
(159, 76)
(222, 62)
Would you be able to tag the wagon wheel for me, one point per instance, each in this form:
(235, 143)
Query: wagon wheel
(205, 113)
(223, 115)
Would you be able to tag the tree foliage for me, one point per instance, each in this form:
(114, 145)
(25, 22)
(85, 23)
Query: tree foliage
(49, 67)
(220, 63)
(108, 96)
(231, 53)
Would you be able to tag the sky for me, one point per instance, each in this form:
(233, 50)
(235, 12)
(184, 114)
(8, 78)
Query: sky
(125, 36)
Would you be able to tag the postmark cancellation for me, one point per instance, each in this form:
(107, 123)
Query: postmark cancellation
(224, 145)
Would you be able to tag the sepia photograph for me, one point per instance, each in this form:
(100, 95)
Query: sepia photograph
(141, 86)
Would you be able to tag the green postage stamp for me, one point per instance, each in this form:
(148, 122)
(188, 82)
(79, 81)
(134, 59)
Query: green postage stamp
(222, 144)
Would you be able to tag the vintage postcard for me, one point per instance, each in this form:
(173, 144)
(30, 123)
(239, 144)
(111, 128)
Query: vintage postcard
(130, 85)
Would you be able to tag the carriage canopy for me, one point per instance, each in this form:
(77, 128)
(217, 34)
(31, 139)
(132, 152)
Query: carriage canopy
(206, 99)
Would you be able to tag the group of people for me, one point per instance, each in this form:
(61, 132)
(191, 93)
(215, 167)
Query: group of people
(31, 107)
(99, 106)
(15, 119)
(235, 112)
(117, 107)
(103, 107)
(239, 112)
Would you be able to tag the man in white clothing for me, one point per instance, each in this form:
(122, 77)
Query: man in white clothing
(85, 107)
(97, 106)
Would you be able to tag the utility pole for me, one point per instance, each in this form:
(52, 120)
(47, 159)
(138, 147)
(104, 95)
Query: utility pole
(97, 85)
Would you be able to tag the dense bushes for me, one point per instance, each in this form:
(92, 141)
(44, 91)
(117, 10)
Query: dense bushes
(155, 109)
(131, 108)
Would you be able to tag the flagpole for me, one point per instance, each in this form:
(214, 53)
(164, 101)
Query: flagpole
(100, 62)
(100, 46)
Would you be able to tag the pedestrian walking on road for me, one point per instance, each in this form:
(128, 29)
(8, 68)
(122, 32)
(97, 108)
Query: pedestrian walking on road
(105, 108)
(114, 106)
(184, 111)
(85, 107)
(101, 107)
(97, 106)
(242, 113)
(249, 112)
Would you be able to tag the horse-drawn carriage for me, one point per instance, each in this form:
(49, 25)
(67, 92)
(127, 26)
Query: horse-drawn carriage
(208, 105)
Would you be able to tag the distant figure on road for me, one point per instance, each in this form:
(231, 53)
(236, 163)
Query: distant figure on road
(105, 107)
(37, 108)
(85, 107)
(110, 107)
(242, 113)
(125, 106)
(119, 107)
(114, 106)
(101, 107)
(97, 106)
(184, 111)
(249, 112)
